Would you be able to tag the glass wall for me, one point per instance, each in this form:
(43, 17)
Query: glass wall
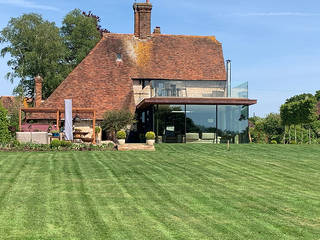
(233, 124)
(170, 123)
(192, 89)
(200, 123)
(197, 123)
(240, 91)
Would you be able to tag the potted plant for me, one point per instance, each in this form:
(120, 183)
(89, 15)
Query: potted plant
(150, 136)
(121, 136)
(97, 131)
(55, 133)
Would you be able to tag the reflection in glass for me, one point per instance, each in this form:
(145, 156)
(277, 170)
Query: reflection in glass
(190, 89)
(201, 123)
(170, 123)
(233, 123)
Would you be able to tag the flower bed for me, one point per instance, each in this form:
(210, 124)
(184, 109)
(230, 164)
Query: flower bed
(56, 145)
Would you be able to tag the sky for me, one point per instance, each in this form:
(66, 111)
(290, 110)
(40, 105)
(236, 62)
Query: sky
(273, 44)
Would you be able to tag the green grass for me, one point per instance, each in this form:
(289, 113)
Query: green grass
(179, 192)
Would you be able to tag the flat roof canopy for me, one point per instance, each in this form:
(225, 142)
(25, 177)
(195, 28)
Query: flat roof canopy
(195, 101)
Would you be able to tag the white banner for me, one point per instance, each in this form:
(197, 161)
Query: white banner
(68, 124)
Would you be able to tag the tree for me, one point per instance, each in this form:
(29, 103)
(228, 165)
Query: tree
(299, 109)
(257, 130)
(299, 97)
(80, 32)
(272, 127)
(4, 125)
(35, 48)
(114, 121)
(317, 96)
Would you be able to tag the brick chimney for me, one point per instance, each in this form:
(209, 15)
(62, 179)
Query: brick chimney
(142, 19)
(38, 91)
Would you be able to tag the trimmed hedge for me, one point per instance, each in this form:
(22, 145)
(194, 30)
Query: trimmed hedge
(5, 135)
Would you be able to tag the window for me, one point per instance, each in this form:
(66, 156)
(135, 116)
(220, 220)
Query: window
(119, 57)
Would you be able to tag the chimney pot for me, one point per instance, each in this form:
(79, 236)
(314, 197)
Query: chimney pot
(157, 30)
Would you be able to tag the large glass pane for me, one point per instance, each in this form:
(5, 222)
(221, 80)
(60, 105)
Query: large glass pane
(170, 123)
(240, 91)
(166, 88)
(145, 123)
(190, 89)
(201, 123)
(233, 124)
(205, 89)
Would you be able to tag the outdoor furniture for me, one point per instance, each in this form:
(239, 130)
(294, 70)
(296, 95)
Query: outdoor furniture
(57, 112)
(79, 134)
(82, 136)
(208, 136)
(191, 137)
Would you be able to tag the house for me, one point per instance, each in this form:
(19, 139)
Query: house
(12, 103)
(7, 102)
(177, 85)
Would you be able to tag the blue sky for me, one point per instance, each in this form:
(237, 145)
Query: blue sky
(272, 44)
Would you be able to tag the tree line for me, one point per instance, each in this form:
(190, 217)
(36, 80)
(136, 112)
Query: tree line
(38, 47)
(298, 122)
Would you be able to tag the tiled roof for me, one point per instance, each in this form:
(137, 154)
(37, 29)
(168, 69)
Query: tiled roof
(176, 57)
(7, 102)
(102, 82)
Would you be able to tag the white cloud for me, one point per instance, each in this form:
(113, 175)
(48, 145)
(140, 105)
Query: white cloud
(28, 4)
(279, 14)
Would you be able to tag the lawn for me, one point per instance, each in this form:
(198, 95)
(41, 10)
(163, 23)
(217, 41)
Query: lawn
(178, 192)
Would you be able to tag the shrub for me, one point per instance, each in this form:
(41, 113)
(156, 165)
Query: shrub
(15, 143)
(55, 144)
(5, 135)
(121, 134)
(97, 130)
(109, 146)
(150, 136)
(293, 142)
(66, 144)
(273, 142)
(114, 121)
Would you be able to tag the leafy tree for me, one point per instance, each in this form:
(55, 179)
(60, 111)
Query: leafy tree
(299, 97)
(4, 125)
(288, 118)
(114, 121)
(80, 32)
(272, 127)
(97, 19)
(300, 109)
(257, 133)
(317, 96)
(35, 48)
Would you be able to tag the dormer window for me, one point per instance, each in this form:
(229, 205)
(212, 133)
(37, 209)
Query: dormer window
(119, 57)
